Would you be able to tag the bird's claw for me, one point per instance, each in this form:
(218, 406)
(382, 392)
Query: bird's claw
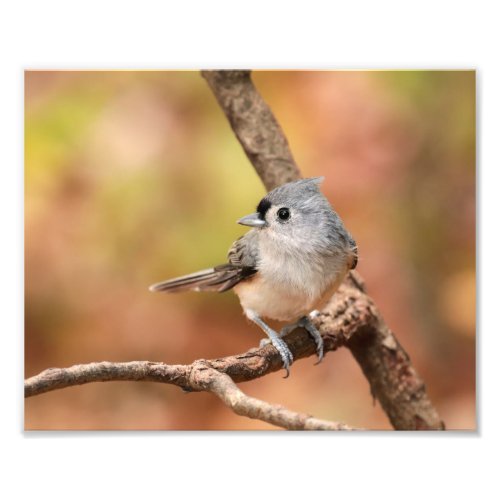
(283, 350)
(319, 352)
(314, 333)
(311, 330)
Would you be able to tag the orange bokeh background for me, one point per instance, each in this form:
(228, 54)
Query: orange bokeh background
(133, 177)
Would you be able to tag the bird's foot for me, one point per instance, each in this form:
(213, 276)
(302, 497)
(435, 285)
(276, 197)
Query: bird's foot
(284, 331)
(314, 333)
(278, 343)
(285, 353)
(282, 348)
(308, 325)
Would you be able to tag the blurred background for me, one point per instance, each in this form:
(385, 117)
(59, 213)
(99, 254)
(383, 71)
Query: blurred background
(135, 177)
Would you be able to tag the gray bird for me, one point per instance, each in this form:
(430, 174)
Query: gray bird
(286, 267)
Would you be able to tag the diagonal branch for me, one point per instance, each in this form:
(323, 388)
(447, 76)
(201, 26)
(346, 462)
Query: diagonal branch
(393, 380)
(223, 386)
(254, 126)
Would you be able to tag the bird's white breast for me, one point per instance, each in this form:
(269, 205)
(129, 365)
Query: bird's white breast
(290, 285)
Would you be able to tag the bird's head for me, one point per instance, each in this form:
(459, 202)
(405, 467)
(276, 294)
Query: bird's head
(295, 211)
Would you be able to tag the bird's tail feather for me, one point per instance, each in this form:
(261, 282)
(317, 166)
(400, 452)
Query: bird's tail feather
(215, 279)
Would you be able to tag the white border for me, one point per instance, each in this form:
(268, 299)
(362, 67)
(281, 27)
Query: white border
(383, 34)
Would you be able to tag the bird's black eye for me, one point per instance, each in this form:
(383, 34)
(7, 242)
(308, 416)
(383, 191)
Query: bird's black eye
(284, 213)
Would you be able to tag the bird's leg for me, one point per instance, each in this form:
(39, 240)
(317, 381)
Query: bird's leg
(284, 331)
(274, 338)
(314, 333)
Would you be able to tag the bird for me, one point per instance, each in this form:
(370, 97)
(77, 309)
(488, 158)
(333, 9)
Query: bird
(286, 267)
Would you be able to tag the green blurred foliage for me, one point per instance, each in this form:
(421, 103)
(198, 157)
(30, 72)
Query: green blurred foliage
(133, 177)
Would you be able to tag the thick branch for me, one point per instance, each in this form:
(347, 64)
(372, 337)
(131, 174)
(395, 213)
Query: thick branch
(393, 380)
(254, 125)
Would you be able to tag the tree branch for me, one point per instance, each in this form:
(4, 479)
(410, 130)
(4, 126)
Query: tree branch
(223, 386)
(254, 126)
(199, 376)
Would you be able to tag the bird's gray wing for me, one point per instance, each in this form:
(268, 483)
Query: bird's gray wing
(245, 250)
(242, 258)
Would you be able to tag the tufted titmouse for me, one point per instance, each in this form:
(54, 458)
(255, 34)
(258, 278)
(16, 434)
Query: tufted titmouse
(287, 266)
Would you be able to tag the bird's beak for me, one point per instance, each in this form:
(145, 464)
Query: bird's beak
(252, 220)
